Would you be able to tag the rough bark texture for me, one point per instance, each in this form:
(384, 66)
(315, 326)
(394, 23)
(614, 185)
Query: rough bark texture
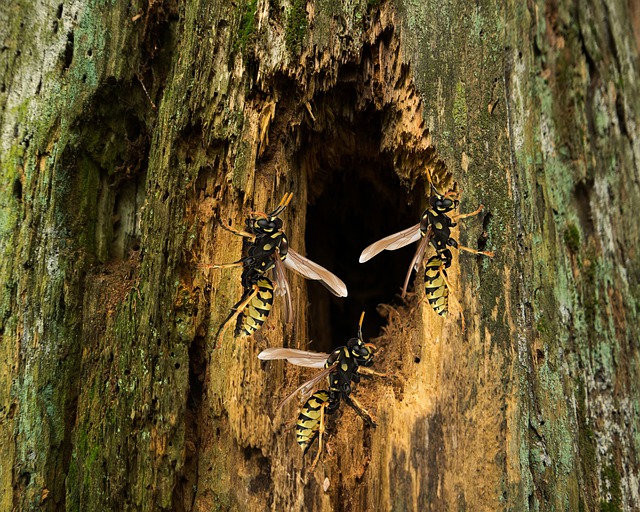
(128, 131)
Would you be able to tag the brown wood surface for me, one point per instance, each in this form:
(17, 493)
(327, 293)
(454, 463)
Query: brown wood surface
(130, 130)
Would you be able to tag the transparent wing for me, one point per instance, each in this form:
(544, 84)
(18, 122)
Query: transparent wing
(416, 261)
(294, 356)
(311, 270)
(282, 288)
(391, 242)
(305, 388)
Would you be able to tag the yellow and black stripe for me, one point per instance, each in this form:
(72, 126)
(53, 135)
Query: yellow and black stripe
(255, 313)
(308, 424)
(435, 284)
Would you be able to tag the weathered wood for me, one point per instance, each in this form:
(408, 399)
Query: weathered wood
(129, 131)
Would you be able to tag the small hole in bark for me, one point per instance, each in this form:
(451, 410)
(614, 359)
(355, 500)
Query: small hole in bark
(25, 478)
(68, 51)
(133, 128)
(484, 236)
(17, 189)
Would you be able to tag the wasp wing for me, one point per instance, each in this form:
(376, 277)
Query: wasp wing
(416, 261)
(306, 387)
(311, 270)
(294, 356)
(391, 242)
(282, 287)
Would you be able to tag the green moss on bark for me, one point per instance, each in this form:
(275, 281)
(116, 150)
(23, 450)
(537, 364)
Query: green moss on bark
(246, 33)
(572, 237)
(297, 26)
(611, 487)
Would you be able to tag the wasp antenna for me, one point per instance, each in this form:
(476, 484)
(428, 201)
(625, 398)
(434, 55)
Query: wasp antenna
(286, 199)
(429, 179)
(360, 325)
(434, 189)
(289, 199)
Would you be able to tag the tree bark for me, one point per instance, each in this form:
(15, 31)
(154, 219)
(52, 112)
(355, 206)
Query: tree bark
(129, 131)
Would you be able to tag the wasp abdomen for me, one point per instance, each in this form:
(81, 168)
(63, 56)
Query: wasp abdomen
(435, 283)
(255, 313)
(308, 424)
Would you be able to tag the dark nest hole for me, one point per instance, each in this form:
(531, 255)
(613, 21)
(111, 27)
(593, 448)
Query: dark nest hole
(355, 198)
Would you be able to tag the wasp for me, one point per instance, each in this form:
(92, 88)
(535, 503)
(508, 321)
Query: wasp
(342, 368)
(434, 228)
(267, 249)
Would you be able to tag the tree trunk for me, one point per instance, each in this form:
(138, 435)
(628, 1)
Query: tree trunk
(130, 131)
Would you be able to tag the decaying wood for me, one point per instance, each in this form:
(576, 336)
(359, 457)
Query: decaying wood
(130, 131)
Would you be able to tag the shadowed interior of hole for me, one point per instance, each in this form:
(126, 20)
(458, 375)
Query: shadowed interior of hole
(355, 199)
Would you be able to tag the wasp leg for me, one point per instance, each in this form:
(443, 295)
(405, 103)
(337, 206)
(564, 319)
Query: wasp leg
(452, 193)
(490, 254)
(238, 263)
(368, 372)
(238, 232)
(446, 281)
(236, 310)
(288, 425)
(361, 411)
(320, 432)
(466, 215)
(451, 297)
(444, 277)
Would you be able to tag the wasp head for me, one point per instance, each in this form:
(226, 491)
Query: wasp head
(264, 223)
(269, 222)
(443, 203)
(362, 352)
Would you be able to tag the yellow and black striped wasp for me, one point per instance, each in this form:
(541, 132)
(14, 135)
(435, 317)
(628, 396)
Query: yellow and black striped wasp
(343, 367)
(434, 228)
(267, 248)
